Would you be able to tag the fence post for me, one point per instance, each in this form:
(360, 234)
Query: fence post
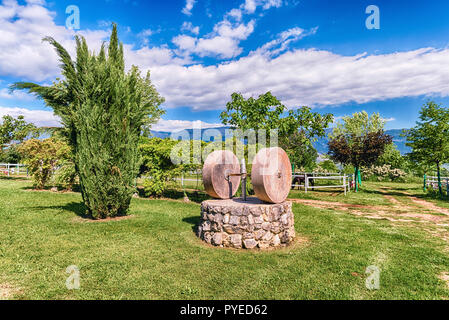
(425, 182)
(447, 188)
(306, 181)
(344, 184)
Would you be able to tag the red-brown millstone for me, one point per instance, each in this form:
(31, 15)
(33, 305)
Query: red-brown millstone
(271, 175)
(217, 168)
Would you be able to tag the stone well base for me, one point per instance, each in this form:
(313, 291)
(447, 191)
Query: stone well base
(252, 224)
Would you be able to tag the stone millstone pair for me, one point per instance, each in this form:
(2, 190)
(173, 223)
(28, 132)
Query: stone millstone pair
(271, 175)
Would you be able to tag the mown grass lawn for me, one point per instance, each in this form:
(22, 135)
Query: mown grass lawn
(156, 255)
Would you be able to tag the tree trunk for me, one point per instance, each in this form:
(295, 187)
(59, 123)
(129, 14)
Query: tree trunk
(356, 173)
(440, 188)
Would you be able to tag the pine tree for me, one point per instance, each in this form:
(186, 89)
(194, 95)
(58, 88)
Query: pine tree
(104, 111)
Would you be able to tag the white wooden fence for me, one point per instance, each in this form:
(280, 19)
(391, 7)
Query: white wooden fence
(10, 169)
(433, 182)
(344, 180)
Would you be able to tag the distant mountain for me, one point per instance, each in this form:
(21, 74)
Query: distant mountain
(160, 134)
(205, 136)
(320, 144)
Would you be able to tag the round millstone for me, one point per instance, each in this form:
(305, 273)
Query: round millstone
(271, 175)
(216, 171)
(246, 225)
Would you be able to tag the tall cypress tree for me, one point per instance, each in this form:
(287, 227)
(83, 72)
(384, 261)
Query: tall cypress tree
(104, 111)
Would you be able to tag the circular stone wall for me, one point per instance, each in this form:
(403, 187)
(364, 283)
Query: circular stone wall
(251, 224)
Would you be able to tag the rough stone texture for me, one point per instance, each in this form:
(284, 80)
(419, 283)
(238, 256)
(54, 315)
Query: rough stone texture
(252, 224)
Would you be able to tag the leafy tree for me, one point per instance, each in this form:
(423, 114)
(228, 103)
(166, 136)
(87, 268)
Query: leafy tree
(10, 155)
(359, 141)
(302, 154)
(262, 113)
(328, 166)
(104, 111)
(156, 162)
(296, 128)
(42, 157)
(359, 124)
(429, 139)
(15, 129)
(392, 157)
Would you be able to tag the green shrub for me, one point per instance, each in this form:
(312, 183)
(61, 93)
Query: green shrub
(66, 175)
(42, 157)
(156, 184)
(383, 173)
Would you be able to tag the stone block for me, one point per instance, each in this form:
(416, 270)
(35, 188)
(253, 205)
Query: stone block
(251, 224)
(249, 243)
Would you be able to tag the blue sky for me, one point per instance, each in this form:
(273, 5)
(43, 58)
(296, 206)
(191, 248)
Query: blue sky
(307, 52)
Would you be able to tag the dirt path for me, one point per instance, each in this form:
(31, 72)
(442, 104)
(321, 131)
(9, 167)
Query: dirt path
(7, 291)
(398, 212)
(429, 205)
(420, 202)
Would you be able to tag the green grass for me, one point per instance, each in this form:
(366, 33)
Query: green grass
(156, 255)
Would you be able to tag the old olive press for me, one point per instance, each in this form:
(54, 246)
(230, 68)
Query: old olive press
(247, 222)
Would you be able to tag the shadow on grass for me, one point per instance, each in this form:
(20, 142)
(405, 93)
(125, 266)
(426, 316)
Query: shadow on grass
(175, 194)
(194, 221)
(75, 188)
(13, 178)
(77, 208)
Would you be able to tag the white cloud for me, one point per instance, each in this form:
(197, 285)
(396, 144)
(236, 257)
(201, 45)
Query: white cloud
(144, 35)
(223, 42)
(16, 95)
(281, 43)
(22, 53)
(250, 7)
(48, 119)
(187, 10)
(179, 125)
(38, 117)
(307, 77)
(188, 26)
(298, 77)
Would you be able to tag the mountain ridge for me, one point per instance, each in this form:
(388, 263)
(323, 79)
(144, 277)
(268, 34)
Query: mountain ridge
(320, 145)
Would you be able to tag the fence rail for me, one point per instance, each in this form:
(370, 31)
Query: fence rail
(432, 181)
(346, 181)
(13, 169)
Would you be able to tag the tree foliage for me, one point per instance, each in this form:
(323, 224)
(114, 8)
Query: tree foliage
(296, 128)
(42, 158)
(302, 154)
(359, 140)
(359, 150)
(359, 124)
(157, 164)
(104, 111)
(267, 112)
(15, 129)
(327, 166)
(429, 139)
(392, 157)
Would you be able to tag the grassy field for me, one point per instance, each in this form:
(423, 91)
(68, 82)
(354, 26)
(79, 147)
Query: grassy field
(155, 254)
